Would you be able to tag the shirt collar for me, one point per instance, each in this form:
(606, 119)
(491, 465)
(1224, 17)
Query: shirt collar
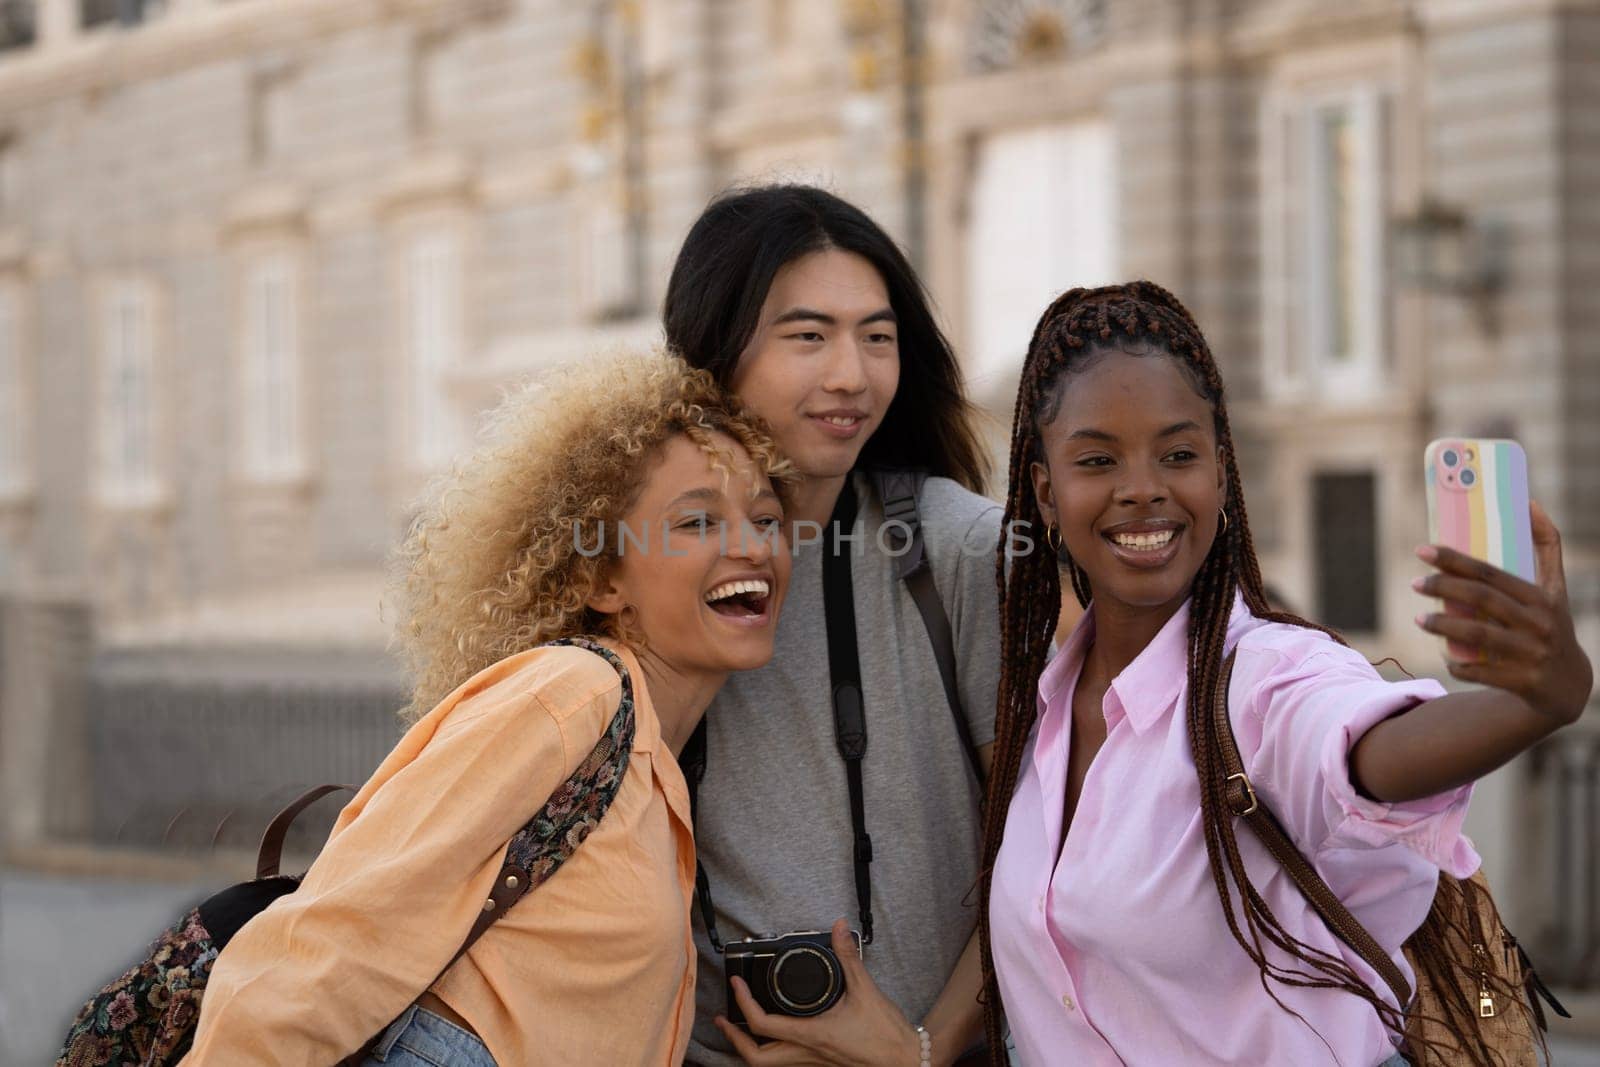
(1148, 687)
(647, 740)
(1062, 670)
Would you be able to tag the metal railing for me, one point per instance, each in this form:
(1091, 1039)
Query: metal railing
(194, 764)
(1564, 879)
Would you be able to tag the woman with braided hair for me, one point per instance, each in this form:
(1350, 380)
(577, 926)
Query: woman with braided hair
(1124, 918)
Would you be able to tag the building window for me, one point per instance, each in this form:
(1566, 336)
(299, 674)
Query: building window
(270, 402)
(435, 335)
(128, 466)
(606, 257)
(1323, 197)
(1043, 219)
(436, 82)
(10, 174)
(121, 12)
(14, 474)
(19, 22)
(271, 113)
(1346, 534)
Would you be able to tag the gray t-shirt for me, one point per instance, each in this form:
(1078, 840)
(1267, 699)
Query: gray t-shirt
(773, 820)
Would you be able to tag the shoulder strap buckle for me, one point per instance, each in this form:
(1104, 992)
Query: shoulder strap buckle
(1237, 798)
(902, 525)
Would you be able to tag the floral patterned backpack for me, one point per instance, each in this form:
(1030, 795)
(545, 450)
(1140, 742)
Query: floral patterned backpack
(147, 1018)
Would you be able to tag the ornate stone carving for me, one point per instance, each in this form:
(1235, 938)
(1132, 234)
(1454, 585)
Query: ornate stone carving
(1015, 33)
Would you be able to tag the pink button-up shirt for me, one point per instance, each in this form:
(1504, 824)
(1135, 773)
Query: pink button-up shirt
(1116, 950)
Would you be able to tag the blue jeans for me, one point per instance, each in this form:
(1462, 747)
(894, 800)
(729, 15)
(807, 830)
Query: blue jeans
(420, 1038)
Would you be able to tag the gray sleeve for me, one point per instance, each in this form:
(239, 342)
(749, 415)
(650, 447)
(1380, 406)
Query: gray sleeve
(974, 603)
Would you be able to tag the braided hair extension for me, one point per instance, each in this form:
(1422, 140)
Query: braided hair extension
(1079, 327)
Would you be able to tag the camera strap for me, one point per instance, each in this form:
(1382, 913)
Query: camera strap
(844, 669)
(849, 717)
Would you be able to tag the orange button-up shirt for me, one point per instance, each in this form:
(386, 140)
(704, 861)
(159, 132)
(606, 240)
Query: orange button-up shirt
(594, 966)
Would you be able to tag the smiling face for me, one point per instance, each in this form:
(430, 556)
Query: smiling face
(1133, 477)
(703, 564)
(824, 362)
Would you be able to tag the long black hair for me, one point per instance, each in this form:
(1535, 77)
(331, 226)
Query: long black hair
(721, 278)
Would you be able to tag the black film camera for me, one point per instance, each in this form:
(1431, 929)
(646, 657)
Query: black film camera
(788, 974)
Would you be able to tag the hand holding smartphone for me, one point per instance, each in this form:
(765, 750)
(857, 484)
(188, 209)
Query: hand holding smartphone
(1497, 558)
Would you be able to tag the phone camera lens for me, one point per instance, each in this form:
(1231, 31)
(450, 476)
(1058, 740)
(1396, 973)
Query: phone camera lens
(1450, 458)
(1467, 477)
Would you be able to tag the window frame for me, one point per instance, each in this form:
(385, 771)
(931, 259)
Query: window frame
(1298, 325)
(1323, 487)
(123, 481)
(265, 454)
(1073, 148)
(605, 243)
(17, 477)
(435, 430)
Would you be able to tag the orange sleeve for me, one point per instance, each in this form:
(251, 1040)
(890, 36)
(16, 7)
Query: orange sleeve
(407, 868)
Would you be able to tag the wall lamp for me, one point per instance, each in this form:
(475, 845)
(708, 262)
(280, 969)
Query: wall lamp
(1441, 249)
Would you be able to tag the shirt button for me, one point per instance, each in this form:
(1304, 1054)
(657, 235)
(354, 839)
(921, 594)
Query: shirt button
(1066, 1002)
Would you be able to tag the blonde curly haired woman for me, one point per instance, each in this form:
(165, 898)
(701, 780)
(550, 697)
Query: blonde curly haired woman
(621, 501)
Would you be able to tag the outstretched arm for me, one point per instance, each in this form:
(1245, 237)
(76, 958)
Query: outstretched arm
(1517, 639)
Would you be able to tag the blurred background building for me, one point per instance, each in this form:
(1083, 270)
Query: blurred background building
(264, 262)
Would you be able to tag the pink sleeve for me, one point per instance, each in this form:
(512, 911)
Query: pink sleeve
(1299, 710)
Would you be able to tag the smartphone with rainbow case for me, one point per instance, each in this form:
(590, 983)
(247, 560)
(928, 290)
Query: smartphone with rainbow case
(1478, 501)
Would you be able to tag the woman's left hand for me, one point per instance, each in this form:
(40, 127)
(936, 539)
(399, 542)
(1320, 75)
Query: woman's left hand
(864, 1029)
(1507, 633)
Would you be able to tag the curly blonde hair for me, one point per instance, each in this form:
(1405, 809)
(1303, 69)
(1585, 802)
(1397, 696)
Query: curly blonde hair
(491, 565)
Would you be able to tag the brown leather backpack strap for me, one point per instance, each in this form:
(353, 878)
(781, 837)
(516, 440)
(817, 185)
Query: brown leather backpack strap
(1242, 800)
(509, 887)
(270, 854)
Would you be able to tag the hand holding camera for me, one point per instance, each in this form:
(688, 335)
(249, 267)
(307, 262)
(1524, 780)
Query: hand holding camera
(796, 974)
(860, 1026)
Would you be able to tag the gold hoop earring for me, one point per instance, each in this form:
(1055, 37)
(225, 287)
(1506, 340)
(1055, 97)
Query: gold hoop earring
(1055, 545)
(1224, 513)
(627, 627)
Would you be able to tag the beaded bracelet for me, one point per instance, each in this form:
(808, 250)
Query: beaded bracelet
(925, 1043)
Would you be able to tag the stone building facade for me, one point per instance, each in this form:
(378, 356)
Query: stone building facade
(262, 262)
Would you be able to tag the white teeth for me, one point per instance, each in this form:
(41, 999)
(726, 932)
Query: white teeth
(1144, 541)
(728, 589)
(840, 420)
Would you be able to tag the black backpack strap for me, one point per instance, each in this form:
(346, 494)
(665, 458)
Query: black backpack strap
(898, 491)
